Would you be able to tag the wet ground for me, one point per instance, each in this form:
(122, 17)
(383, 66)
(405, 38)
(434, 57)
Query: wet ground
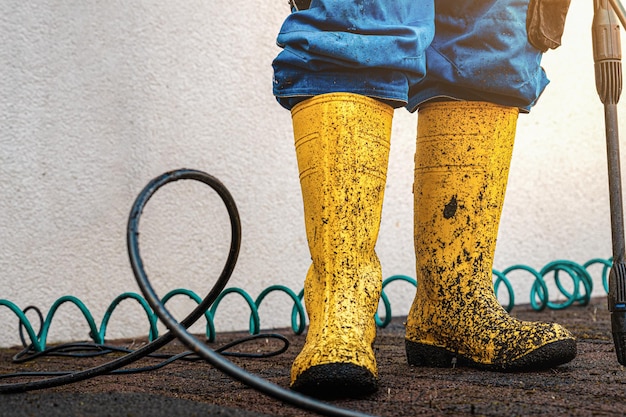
(594, 384)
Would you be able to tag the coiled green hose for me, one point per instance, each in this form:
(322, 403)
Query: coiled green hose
(582, 284)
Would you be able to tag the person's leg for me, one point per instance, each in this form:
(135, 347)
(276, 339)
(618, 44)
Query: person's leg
(344, 66)
(461, 169)
(480, 52)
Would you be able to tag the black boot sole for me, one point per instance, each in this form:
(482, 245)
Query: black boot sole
(545, 357)
(336, 380)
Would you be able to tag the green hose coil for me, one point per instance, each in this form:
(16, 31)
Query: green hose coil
(561, 271)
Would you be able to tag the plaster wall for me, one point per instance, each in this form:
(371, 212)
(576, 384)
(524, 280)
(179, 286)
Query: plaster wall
(97, 98)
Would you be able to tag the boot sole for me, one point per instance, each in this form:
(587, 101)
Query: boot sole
(548, 356)
(336, 380)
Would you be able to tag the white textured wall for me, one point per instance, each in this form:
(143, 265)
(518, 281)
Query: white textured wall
(97, 98)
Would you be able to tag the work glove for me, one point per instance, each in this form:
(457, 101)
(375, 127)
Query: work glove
(545, 23)
(299, 4)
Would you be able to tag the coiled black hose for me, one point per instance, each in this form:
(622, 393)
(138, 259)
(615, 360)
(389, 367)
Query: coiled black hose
(180, 329)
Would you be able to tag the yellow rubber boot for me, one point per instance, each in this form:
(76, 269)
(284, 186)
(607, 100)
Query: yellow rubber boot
(342, 146)
(461, 169)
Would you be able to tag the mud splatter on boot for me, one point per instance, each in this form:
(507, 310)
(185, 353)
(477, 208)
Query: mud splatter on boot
(342, 145)
(461, 169)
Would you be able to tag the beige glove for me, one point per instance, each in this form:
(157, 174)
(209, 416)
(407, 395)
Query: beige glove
(545, 23)
(299, 4)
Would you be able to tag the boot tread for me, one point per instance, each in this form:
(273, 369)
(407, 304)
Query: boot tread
(547, 356)
(336, 380)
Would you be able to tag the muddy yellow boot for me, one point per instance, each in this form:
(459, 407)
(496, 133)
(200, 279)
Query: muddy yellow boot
(342, 146)
(461, 170)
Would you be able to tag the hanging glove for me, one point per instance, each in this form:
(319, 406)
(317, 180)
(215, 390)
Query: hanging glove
(545, 23)
(299, 4)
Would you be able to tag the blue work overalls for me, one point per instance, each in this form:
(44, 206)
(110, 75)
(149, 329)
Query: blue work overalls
(406, 52)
